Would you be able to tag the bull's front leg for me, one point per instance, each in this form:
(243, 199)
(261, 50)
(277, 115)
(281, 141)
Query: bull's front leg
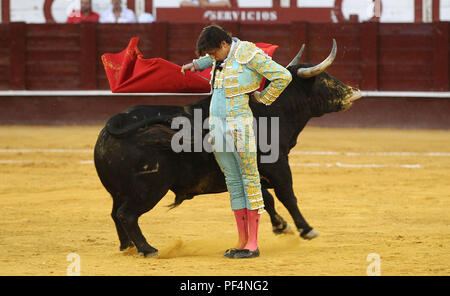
(284, 191)
(289, 200)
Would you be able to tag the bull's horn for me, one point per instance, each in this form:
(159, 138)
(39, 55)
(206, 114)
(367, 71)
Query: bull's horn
(296, 60)
(316, 70)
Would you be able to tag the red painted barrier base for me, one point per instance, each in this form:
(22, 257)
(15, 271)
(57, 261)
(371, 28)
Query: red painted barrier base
(405, 113)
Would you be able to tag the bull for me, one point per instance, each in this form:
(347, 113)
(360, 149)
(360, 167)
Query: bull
(137, 166)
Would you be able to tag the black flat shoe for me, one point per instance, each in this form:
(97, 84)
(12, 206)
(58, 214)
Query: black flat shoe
(245, 253)
(231, 252)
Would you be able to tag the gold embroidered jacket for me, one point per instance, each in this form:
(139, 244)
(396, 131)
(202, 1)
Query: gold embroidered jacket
(244, 71)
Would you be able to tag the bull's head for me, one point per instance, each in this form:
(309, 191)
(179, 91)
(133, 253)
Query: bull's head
(323, 92)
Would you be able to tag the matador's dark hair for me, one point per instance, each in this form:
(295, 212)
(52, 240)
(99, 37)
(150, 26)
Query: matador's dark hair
(210, 38)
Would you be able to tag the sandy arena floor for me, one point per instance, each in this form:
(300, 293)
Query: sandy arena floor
(353, 185)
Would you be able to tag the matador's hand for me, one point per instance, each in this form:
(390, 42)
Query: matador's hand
(189, 67)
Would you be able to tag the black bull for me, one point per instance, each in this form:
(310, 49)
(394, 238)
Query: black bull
(137, 166)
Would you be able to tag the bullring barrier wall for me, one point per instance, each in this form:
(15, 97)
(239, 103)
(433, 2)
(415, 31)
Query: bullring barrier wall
(371, 56)
(52, 73)
(406, 110)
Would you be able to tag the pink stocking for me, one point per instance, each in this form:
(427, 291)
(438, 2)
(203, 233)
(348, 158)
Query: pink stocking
(253, 224)
(242, 226)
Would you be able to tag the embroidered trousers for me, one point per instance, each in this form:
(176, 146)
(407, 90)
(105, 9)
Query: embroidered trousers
(234, 147)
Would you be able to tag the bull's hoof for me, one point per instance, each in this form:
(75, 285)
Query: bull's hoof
(125, 246)
(148, 253)
(281, 229)
(309, 235)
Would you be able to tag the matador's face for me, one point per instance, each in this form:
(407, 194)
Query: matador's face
(221, 53)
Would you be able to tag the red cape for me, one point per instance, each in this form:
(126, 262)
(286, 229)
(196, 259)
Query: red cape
(129, 72)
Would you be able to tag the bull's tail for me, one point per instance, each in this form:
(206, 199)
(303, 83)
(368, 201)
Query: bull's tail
(179, 198)
(174, 205)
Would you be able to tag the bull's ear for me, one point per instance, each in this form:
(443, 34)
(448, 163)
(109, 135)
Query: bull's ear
(296, 59)
(316, 70)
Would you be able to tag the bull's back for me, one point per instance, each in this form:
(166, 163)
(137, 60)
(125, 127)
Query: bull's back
(127, 164)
